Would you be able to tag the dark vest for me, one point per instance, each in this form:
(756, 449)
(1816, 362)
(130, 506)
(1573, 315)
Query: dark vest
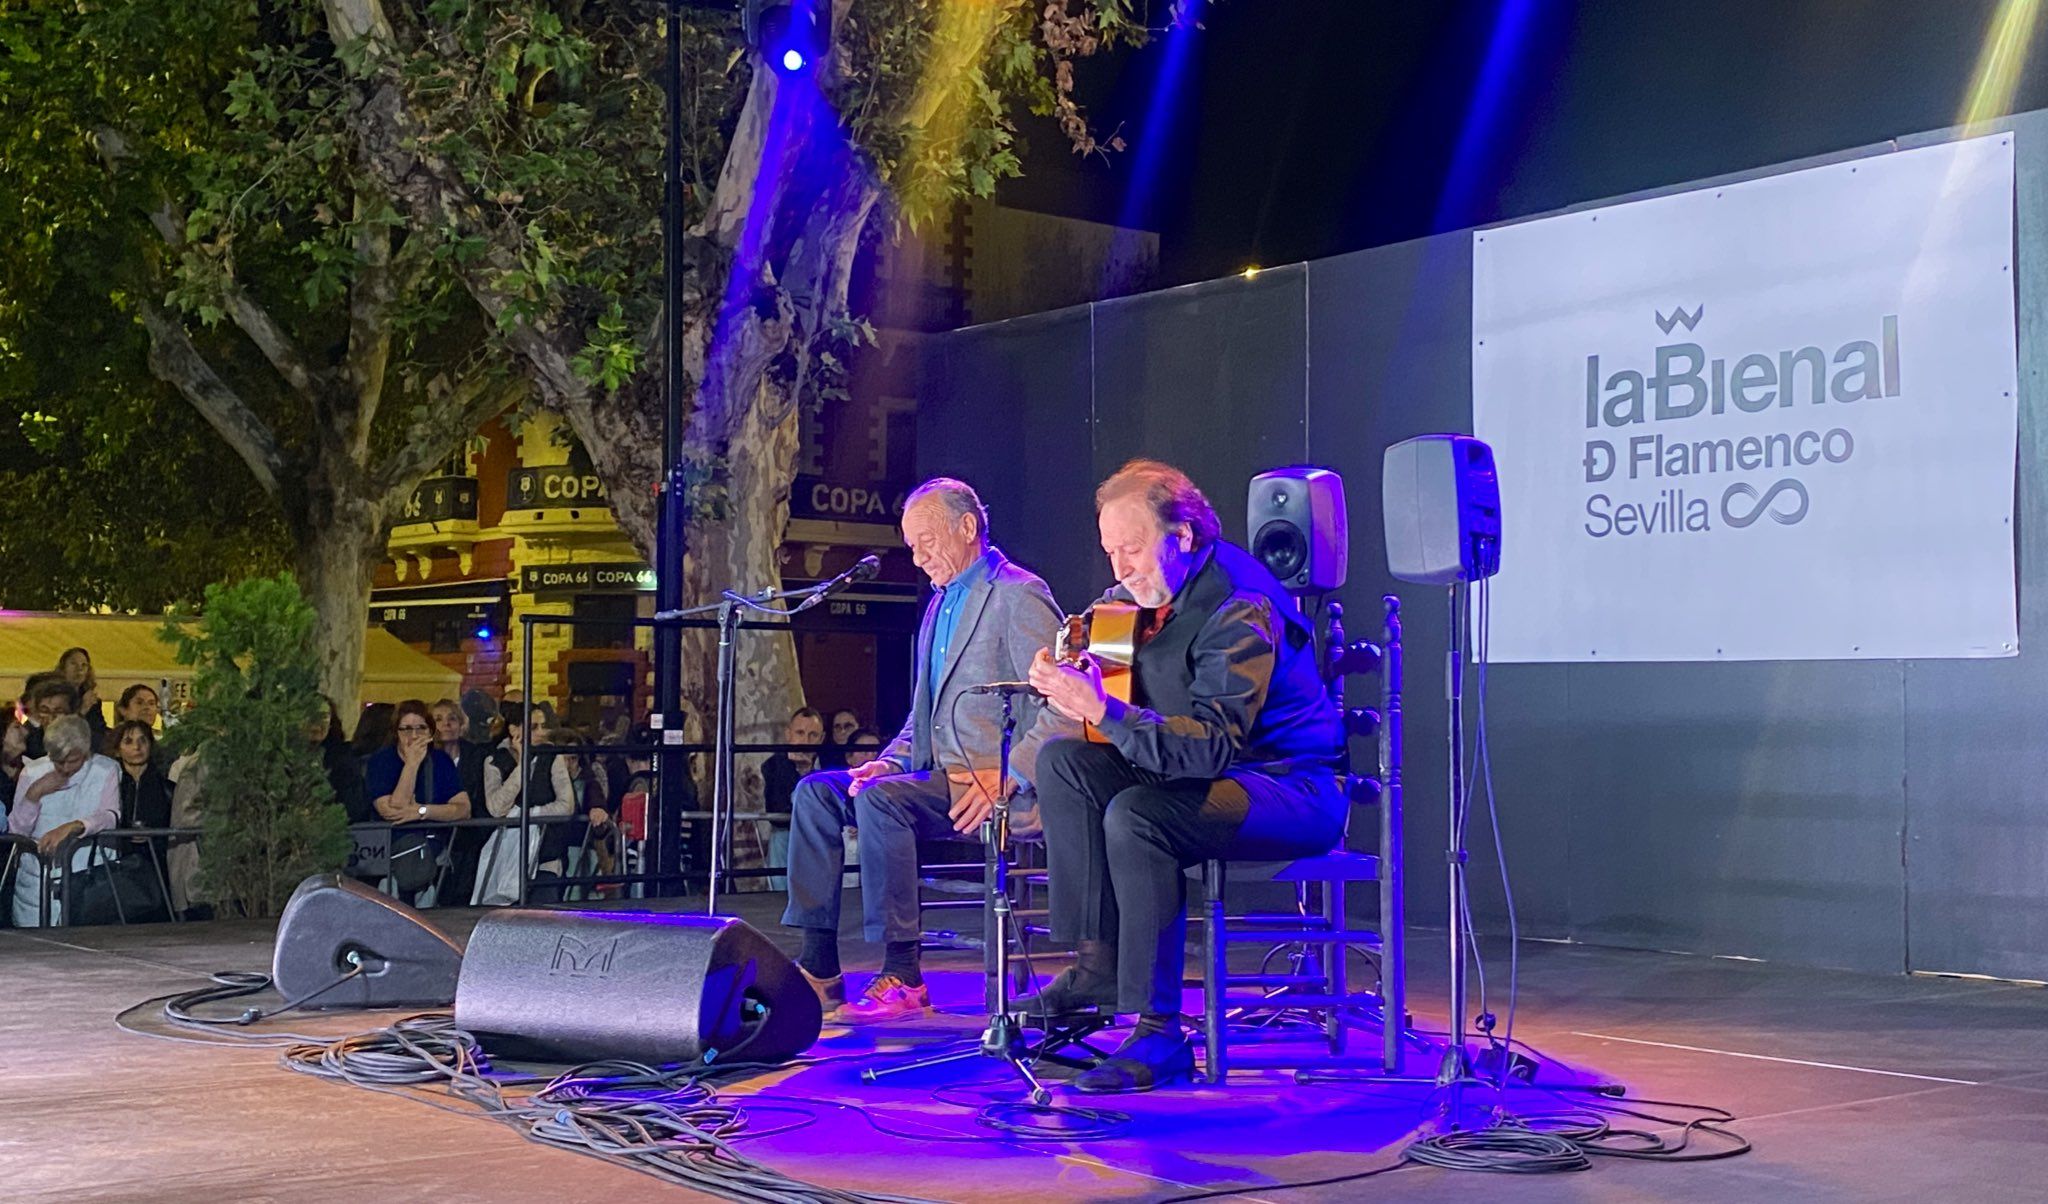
(1298, 724)
(540, 791)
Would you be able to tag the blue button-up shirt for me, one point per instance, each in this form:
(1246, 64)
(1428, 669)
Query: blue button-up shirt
(952, 600)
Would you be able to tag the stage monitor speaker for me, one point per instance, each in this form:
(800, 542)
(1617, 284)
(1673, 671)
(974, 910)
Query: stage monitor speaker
(655, 987)
(1442, 508)
(333, 924)
(1296, 520)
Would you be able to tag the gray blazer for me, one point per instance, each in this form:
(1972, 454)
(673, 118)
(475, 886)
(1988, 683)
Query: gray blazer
(1007, 617)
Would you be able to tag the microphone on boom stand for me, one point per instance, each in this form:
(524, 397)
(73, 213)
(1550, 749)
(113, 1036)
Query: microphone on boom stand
(863, 569)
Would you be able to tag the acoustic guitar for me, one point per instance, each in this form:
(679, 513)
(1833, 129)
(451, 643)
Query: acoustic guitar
(1108, 633)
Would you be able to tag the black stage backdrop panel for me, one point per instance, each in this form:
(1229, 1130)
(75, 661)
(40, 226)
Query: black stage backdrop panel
(1977, 731)
(1389, 358)
(1210, 378)
(1875, 815)
(1751, 809)
(1006, 409)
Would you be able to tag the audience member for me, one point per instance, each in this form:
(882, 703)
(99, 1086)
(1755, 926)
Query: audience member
(139, 704)
(409, 781)
(838, 734)
(75, 667)
(864, 747)
(145, 791)
(779, 776)
(188, 901)
(68, 793)
(47, 698)
(485, 726)
(344, 768)
(549, 793)
(373, 730)
(592, 840)
(451, 731)
(13, 750)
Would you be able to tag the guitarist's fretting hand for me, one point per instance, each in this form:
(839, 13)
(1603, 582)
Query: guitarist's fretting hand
(1074, 690)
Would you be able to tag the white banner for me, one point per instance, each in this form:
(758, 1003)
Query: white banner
(1773, 420)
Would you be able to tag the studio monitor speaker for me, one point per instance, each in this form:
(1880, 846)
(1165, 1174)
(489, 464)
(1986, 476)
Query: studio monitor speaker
(332, 925)
(647, 986)
(1295, 517)
(1442, 507)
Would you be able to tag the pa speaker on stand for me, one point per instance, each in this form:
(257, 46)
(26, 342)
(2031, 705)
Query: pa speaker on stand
(1441, 502)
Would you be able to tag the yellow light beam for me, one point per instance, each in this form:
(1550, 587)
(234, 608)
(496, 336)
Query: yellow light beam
(2001, 61)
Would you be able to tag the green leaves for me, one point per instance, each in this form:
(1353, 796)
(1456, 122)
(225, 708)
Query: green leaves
(611, 356)
(266, 805)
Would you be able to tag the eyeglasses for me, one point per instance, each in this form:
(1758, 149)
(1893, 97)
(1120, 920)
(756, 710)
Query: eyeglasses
(412, 727)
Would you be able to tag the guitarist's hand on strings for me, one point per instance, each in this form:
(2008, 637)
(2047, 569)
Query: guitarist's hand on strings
(1074, 690)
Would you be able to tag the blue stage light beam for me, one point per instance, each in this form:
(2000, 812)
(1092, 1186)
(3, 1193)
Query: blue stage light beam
(1503, 75)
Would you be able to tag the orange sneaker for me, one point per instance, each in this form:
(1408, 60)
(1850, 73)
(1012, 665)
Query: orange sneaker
(887, 998)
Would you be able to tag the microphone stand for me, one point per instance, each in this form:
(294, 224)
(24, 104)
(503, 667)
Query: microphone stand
(726, 733)
(1003, 1038)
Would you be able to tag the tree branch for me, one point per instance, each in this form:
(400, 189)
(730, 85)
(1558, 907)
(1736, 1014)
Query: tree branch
(477, 400)
(250, 317)
(276, 346)
(174, 360)
(369, 334)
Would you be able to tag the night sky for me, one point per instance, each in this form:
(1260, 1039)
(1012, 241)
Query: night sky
(1305, 128)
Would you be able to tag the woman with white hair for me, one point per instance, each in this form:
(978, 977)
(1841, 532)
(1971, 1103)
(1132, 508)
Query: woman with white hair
(71, 792)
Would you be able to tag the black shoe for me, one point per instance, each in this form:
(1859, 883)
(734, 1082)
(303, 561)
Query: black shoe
(1142, 1063)
(1069, 994)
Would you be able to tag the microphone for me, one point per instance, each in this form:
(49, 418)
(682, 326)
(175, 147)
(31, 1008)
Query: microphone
(1006, 687)
(863, 569)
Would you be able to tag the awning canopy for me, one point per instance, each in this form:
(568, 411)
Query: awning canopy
(126, 650)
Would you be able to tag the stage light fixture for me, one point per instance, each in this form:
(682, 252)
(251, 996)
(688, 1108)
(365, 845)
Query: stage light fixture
(793, 35)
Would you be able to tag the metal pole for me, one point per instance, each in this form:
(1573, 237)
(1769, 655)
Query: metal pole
(525, 756)
(723, 767)
(1393, 914)
(1454, 1065)
(671, 767)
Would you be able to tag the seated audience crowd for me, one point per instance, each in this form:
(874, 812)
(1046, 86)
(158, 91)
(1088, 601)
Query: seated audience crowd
(74, 763)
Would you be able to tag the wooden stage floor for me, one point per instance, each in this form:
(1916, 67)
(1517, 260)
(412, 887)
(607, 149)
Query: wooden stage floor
(1852, 1087)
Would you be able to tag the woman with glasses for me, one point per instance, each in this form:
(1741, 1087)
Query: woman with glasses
(68, 793)
(409, 781)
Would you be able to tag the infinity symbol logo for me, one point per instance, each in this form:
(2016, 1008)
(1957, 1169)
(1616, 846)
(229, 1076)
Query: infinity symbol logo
(1791, 513)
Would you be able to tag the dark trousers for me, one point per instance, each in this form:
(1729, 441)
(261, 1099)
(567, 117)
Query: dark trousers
(1118, 839)
(891, 813)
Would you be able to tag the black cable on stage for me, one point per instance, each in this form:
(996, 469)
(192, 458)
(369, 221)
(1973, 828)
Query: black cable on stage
(1261, 1189)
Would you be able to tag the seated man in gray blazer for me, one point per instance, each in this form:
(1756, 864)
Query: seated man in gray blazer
(984, 623)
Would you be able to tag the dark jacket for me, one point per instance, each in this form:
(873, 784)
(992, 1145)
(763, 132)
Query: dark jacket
(345, 775)
(1229, 682)
(471, 769)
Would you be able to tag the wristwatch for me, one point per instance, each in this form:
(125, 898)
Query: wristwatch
(423, 811)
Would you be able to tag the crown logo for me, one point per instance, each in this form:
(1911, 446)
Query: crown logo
(1681, 318)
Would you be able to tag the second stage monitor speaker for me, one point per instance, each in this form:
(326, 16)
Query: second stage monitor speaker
(651, 987)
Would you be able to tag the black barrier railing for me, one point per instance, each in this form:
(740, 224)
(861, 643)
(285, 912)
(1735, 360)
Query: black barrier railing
(60, 883)
(670, 757)
(13, 849)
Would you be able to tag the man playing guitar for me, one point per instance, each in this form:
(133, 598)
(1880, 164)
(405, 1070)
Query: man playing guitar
(1229, 746)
